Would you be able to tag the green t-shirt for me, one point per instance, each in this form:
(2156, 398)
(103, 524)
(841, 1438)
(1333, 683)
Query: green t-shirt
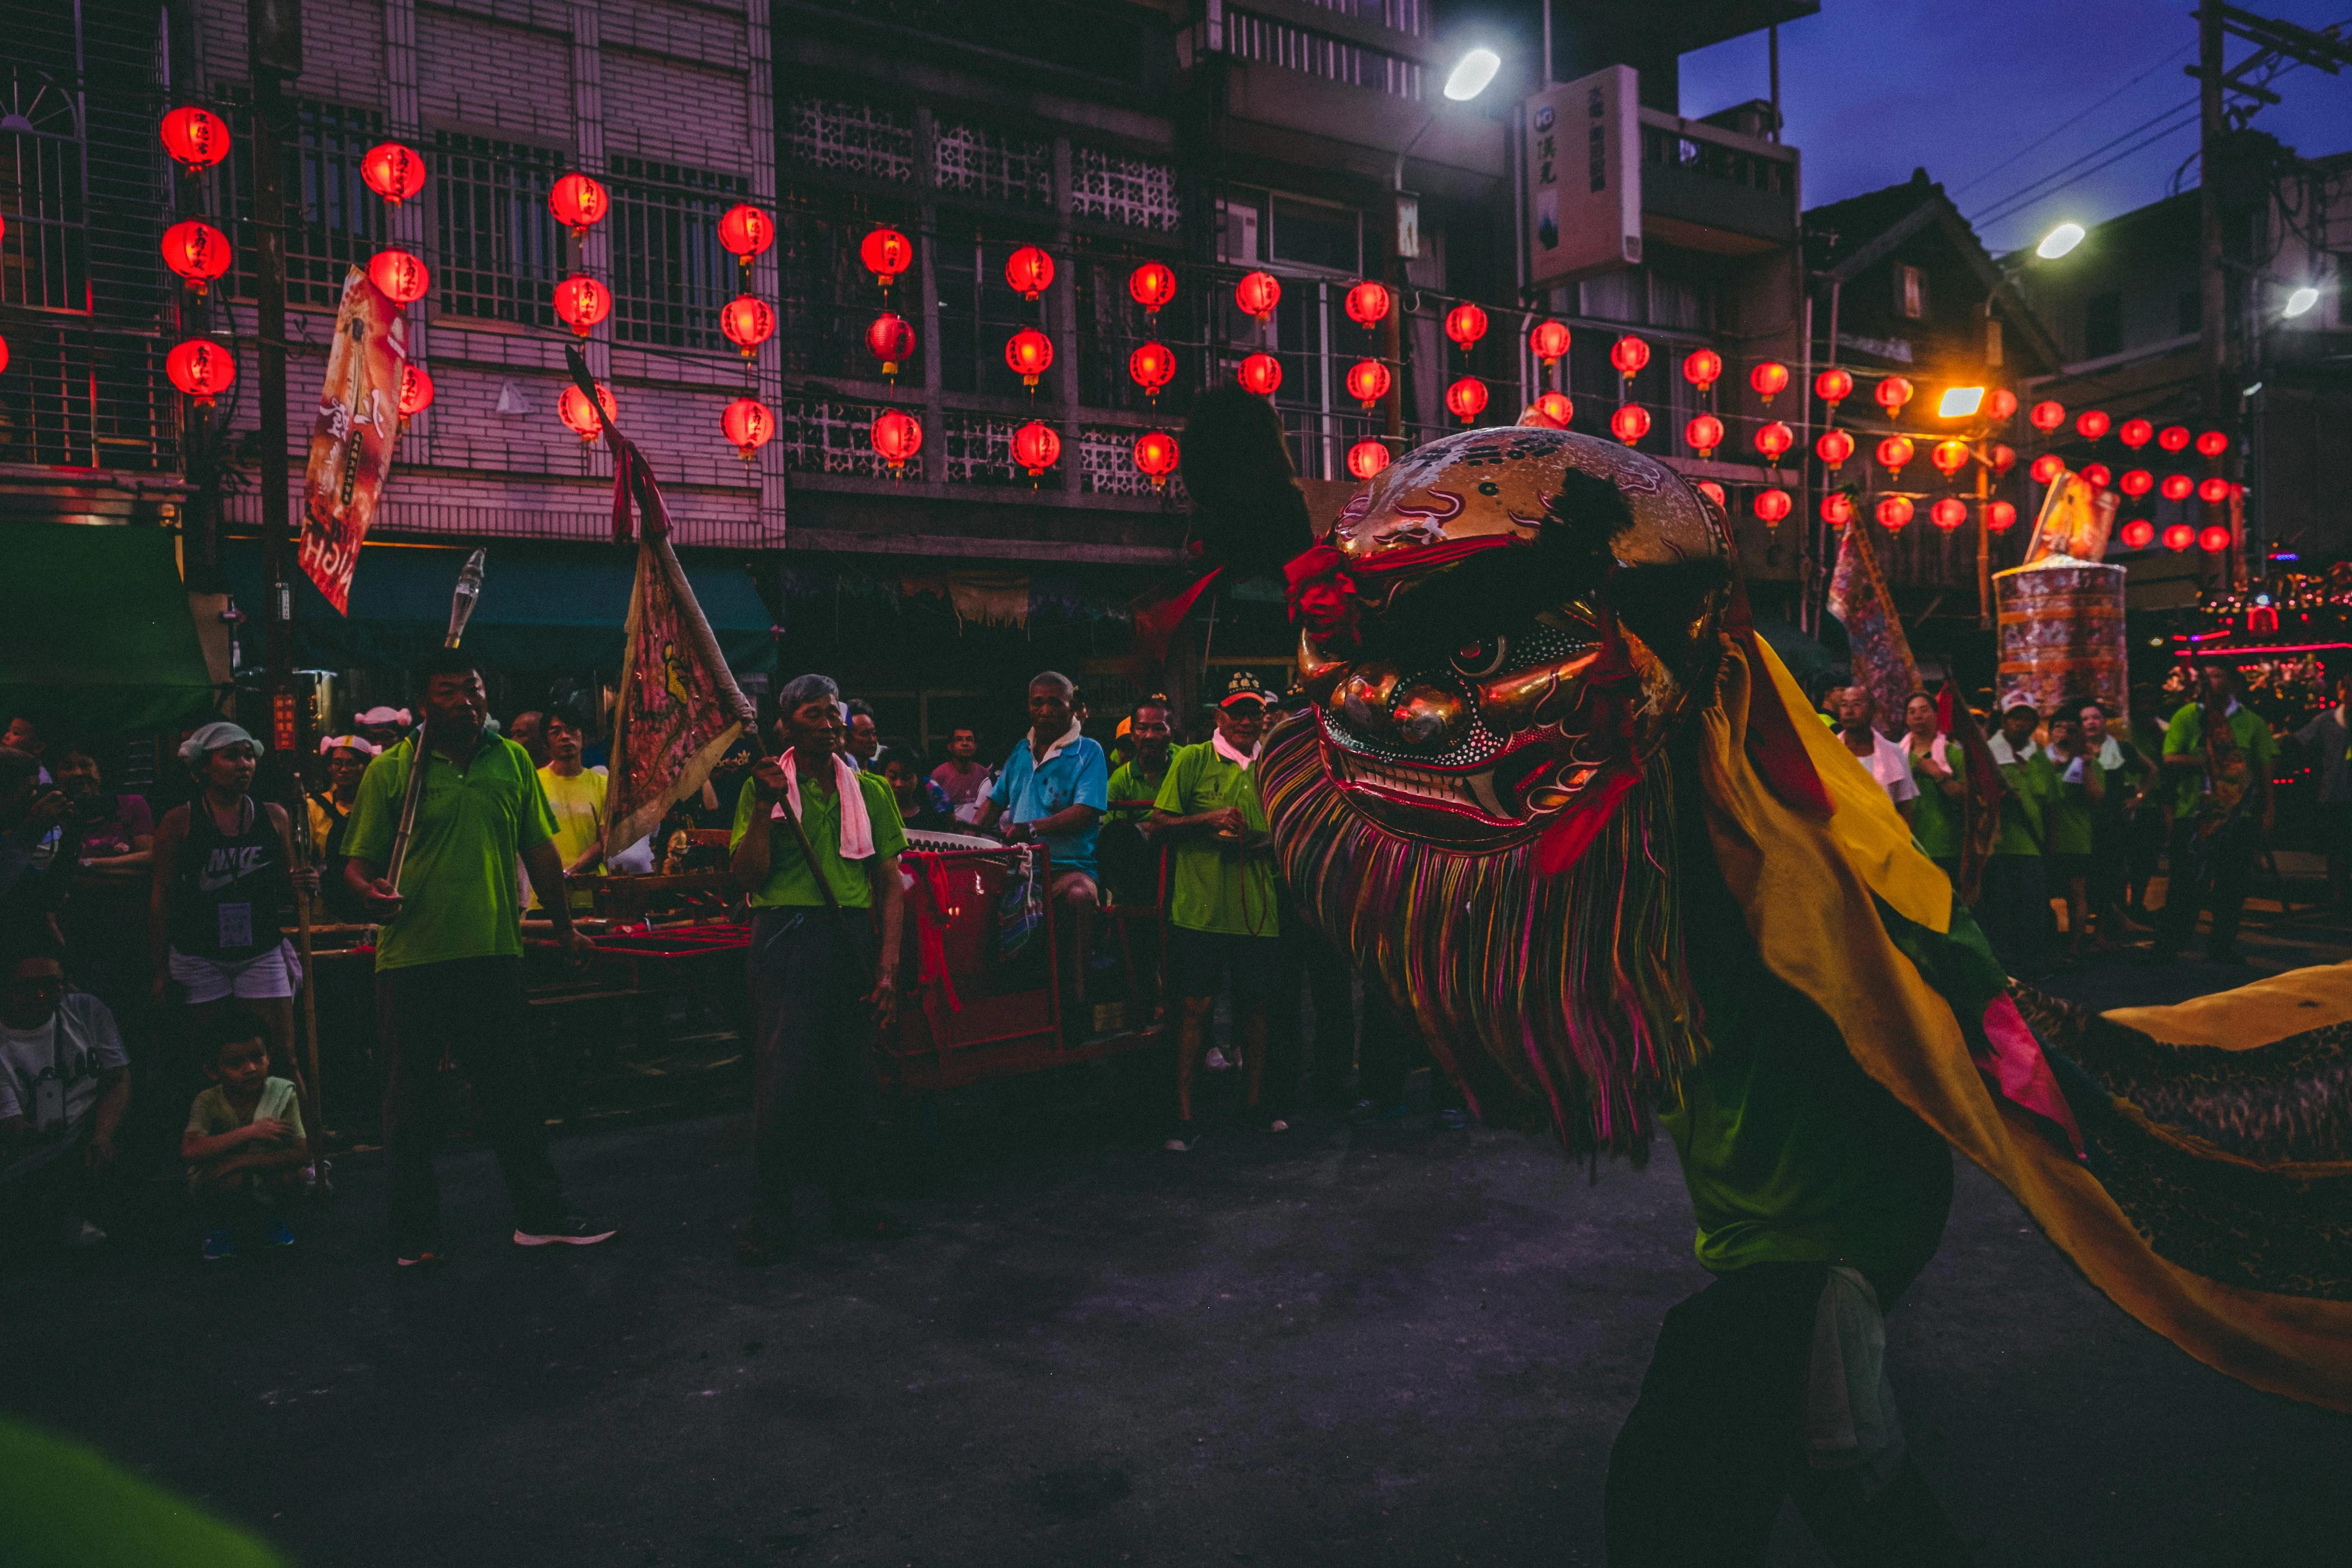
(2025, 809)
(2069, 818)
(213, 1115)
(1938, 821)
(70, 1507)
(2185, 737)
(1131, 781)
(460, 882)
(1214, 886)
(790, 884)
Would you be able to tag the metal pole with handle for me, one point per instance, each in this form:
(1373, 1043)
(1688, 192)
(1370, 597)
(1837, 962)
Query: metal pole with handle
(461, 610)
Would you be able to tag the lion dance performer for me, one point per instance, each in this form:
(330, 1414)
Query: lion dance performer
(1552, 792)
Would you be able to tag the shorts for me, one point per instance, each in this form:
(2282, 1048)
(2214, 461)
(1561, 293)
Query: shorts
(2063, 866)
(273, 972)
(1197, 960)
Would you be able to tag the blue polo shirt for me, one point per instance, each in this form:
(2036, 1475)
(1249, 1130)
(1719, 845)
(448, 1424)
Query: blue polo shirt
(1078, 775)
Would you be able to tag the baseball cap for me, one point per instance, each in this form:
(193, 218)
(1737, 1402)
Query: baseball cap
(2011, 701)
(1245, 687)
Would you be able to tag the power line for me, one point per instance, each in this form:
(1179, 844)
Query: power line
(2019, 206)
(2075, 118)
(2033, 185)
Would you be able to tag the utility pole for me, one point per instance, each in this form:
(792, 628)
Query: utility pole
(2212, 325)
(274, 56)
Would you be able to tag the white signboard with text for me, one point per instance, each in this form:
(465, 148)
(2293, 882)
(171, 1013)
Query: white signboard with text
(1583, 190)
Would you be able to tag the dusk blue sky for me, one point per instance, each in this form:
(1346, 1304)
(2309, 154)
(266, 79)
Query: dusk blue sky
(1872, 88)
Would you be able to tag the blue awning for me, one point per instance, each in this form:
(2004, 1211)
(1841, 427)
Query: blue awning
(544, 606)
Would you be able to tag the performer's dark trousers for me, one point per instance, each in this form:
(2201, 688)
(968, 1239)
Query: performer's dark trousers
(2014, 909)
(1717, 1440)
(1311, 964)
(471, 1013)
(2215, 876)
(813, 1071)
(1393, 1052)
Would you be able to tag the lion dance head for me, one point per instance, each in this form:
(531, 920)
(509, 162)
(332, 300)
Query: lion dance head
(1499, 641)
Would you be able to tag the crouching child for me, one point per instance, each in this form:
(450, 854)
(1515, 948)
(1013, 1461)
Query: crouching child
(244, 1142)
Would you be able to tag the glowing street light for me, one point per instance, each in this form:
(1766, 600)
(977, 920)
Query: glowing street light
(2059, 240)
(1471, 74)
(1959, 402)
(2300, 302)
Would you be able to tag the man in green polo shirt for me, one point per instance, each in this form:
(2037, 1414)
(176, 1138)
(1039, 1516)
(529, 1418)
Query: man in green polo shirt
(1131, 868)
(1221, 915)
(448, 958)
(2013, 904)
(822, 980)
(2221, 755)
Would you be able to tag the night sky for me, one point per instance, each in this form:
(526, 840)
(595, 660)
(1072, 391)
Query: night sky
(1872, 88)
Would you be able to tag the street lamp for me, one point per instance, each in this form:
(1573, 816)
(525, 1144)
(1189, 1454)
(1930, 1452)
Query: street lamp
(1471, 74)
(2300, 302)
(2059, 240)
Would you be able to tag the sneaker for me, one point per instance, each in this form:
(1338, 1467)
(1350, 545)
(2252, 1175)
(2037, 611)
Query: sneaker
(418, 1257)
(572, 1230)
(81, 1235)
(220, 1247)
(1216, 1060)
(277, 1235)
(1256, 1119)
(1184, 1140)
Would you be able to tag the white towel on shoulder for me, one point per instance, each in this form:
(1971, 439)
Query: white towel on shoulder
(856, 827)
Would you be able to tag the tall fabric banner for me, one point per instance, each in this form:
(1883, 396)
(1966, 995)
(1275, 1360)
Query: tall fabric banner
(1880, 653)
(1981, 806)
(679, 708)
(2075, 521)
(352, 441)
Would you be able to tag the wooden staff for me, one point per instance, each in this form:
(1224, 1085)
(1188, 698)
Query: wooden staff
(461, 610)
(305, 854)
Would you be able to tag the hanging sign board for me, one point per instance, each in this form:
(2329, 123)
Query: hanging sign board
(1582, 190)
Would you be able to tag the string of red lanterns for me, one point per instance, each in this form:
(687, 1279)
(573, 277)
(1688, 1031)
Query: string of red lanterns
(196, 137)
(1030, 354)
(1630, 424)
(1368, 381)
(1036, 446)
(1466, 324)
(1466, 399)
(579, 203)
(1367, 459)
(584, 418)
(197, 253)
(896, 437)
(1260, 373)
(1257, 294)
(1151, 366)
(1029, 272)
(891, 338)
(580, 302)
(201, 369)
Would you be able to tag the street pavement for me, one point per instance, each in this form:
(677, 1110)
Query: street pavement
(1394, 1345)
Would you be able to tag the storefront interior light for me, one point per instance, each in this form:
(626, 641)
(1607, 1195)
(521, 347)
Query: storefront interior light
(2059, 241)
(2301, 301)
(1959, 402)
(1472, 74)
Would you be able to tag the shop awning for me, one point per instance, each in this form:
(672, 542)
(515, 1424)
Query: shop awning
(100, 634)
(544, 606)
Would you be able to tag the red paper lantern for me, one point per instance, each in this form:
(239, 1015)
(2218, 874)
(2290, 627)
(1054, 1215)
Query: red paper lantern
(4, 353)
(1036, 446)
(2000, 404)
(1769, 378)
(1773, 505)
(1892, 395)
(1151, 286)
(2135, 482)
(577, 201)
(580, 302)
(1367, 459)
(584, 418)
(401, 277)
(1156, 454)
(2178, 537)
(748, 425)
(2096, 476)
(1629, 355)
(2000, 516)
(889, 338)
(2139, 534)
(1894, 452)
(392, 171)
(1549, 341)
(1029, 272)
(1556, 408)
(1702, 368)
(1368, 304)
(201, 368)
(2214, 539)
(1151, 366)
(1837, 508)
(1704, 434)
(416, 390)
(2212, 444)
(1949, 456)
(1713, 493)
(1833, 447)
(2176, 487)
(1949, 513)
(1466, 324)
(1466, 399)
(2135, 433)
(1893, 513)
(2091, 424)
(196, 137)
(1630, 424)
(896, 437)
(745, 231)
(1257, 294)
(2213, 492)
(2173, 437)
(1260, 373)
(1368, 381)
(885, 253)
(2046, 467)
(2004, 457)
(1030, 352)
(1834, 385)
(197, 252)
(2047, 416)
(1774, 440)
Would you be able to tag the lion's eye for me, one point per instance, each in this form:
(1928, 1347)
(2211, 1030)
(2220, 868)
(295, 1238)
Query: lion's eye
(1482, 657)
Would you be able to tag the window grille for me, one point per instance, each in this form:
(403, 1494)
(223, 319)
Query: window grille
(501, 252)
(76, 399)
(670, 275)
(1106, 466)
(1398, 16)
(827, 298)
(44, 255)
(1254, 37)
(850, 138)
(333, 221)
(979, 448)
(993, 166)
(1137, 192)
(819, 435)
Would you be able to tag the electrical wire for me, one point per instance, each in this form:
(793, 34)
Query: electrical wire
(2033, 187)
(2073, 118)
(2026, 200)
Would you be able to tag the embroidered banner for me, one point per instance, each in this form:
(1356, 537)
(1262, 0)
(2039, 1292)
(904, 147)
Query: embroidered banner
(352, 442)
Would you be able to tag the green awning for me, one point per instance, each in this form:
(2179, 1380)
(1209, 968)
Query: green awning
(99, 632)
(544, 606)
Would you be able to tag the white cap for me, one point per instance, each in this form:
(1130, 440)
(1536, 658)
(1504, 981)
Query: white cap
(2014, 700)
